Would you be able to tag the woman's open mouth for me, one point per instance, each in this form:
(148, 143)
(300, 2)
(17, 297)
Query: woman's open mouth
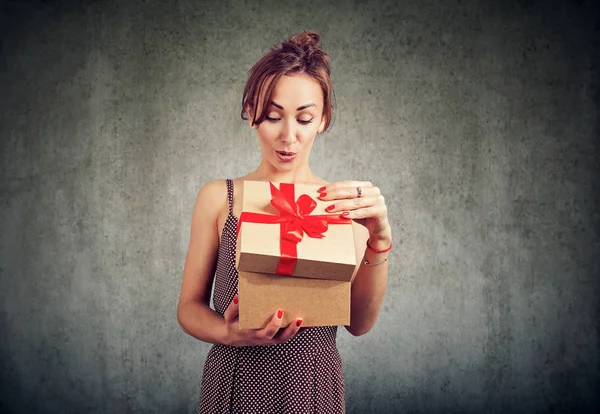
(286, 156)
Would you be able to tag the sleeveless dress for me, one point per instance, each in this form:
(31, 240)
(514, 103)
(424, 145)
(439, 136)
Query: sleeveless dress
(302, 375)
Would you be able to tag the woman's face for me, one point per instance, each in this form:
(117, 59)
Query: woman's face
(294, 116)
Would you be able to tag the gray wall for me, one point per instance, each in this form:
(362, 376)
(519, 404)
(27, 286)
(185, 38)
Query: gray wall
(478, 120)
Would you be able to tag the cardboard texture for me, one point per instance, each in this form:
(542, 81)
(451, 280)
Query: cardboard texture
(318, 288)
(318, 302)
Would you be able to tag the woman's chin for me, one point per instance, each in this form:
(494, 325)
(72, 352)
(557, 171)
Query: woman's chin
(285, 167)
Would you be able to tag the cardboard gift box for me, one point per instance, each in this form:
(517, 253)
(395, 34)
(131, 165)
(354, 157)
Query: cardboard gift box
(292, 255)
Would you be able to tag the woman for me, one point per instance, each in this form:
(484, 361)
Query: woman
(287, 100)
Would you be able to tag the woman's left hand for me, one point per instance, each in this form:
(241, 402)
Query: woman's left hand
(362, 202)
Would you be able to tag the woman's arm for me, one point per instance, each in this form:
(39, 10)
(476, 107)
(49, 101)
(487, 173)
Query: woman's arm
(363, 203)
(194, 314)
(369, 282)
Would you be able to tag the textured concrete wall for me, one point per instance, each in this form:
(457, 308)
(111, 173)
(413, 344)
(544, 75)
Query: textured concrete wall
(478, 120)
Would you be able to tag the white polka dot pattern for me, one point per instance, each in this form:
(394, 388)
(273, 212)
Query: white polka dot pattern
(303, 375)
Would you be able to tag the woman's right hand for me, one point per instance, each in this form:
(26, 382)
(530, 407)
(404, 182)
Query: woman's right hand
(269, 335)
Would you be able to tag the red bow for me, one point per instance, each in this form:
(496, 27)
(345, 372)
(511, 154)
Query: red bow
(294, 220)
(298, 220)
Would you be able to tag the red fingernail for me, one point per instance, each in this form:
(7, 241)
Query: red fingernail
(345, 214)
(235, 300)
(320, 190)
(323, 195)
(331, 207)
(298, 322)
(279, 314)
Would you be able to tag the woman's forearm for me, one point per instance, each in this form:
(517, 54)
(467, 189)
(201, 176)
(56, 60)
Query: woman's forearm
(368, 289)
(203, 323)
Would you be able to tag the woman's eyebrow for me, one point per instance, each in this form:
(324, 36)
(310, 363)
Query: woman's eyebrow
(297, 109)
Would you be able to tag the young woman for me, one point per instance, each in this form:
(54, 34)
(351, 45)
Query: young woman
(279, 369)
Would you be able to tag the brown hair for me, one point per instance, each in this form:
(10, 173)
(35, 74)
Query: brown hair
(301, 54)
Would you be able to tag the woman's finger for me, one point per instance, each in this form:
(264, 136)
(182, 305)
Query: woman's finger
(233, 311)
(375, 204)
(345, 184)
(362, 213)
(349, 192)
(291, 330)
(269, 331)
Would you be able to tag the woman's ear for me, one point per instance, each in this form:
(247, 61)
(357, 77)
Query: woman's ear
(250, 117)
(321, 126)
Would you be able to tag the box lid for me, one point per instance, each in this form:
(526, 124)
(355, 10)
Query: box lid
(330, 255)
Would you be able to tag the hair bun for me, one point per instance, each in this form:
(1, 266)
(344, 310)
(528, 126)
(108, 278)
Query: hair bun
(308, 39)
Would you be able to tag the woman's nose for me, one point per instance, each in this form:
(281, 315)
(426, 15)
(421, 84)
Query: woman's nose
(288, 134)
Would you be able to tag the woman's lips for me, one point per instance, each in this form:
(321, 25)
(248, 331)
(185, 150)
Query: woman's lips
(286, 156)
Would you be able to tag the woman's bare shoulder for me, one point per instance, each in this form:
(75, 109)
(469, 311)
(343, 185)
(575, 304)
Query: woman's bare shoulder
(211, 195)
(210, 188)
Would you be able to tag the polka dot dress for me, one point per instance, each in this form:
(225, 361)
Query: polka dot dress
(303, 375)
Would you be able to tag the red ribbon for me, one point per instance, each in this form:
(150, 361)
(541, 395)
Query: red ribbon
(294, 221)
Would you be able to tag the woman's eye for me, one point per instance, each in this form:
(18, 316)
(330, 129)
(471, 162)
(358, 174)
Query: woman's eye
(278, 119)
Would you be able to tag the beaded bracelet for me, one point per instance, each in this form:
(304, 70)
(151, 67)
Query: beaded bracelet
(387, 249)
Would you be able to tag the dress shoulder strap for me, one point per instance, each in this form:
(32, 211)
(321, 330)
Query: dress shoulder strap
(230, 195)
